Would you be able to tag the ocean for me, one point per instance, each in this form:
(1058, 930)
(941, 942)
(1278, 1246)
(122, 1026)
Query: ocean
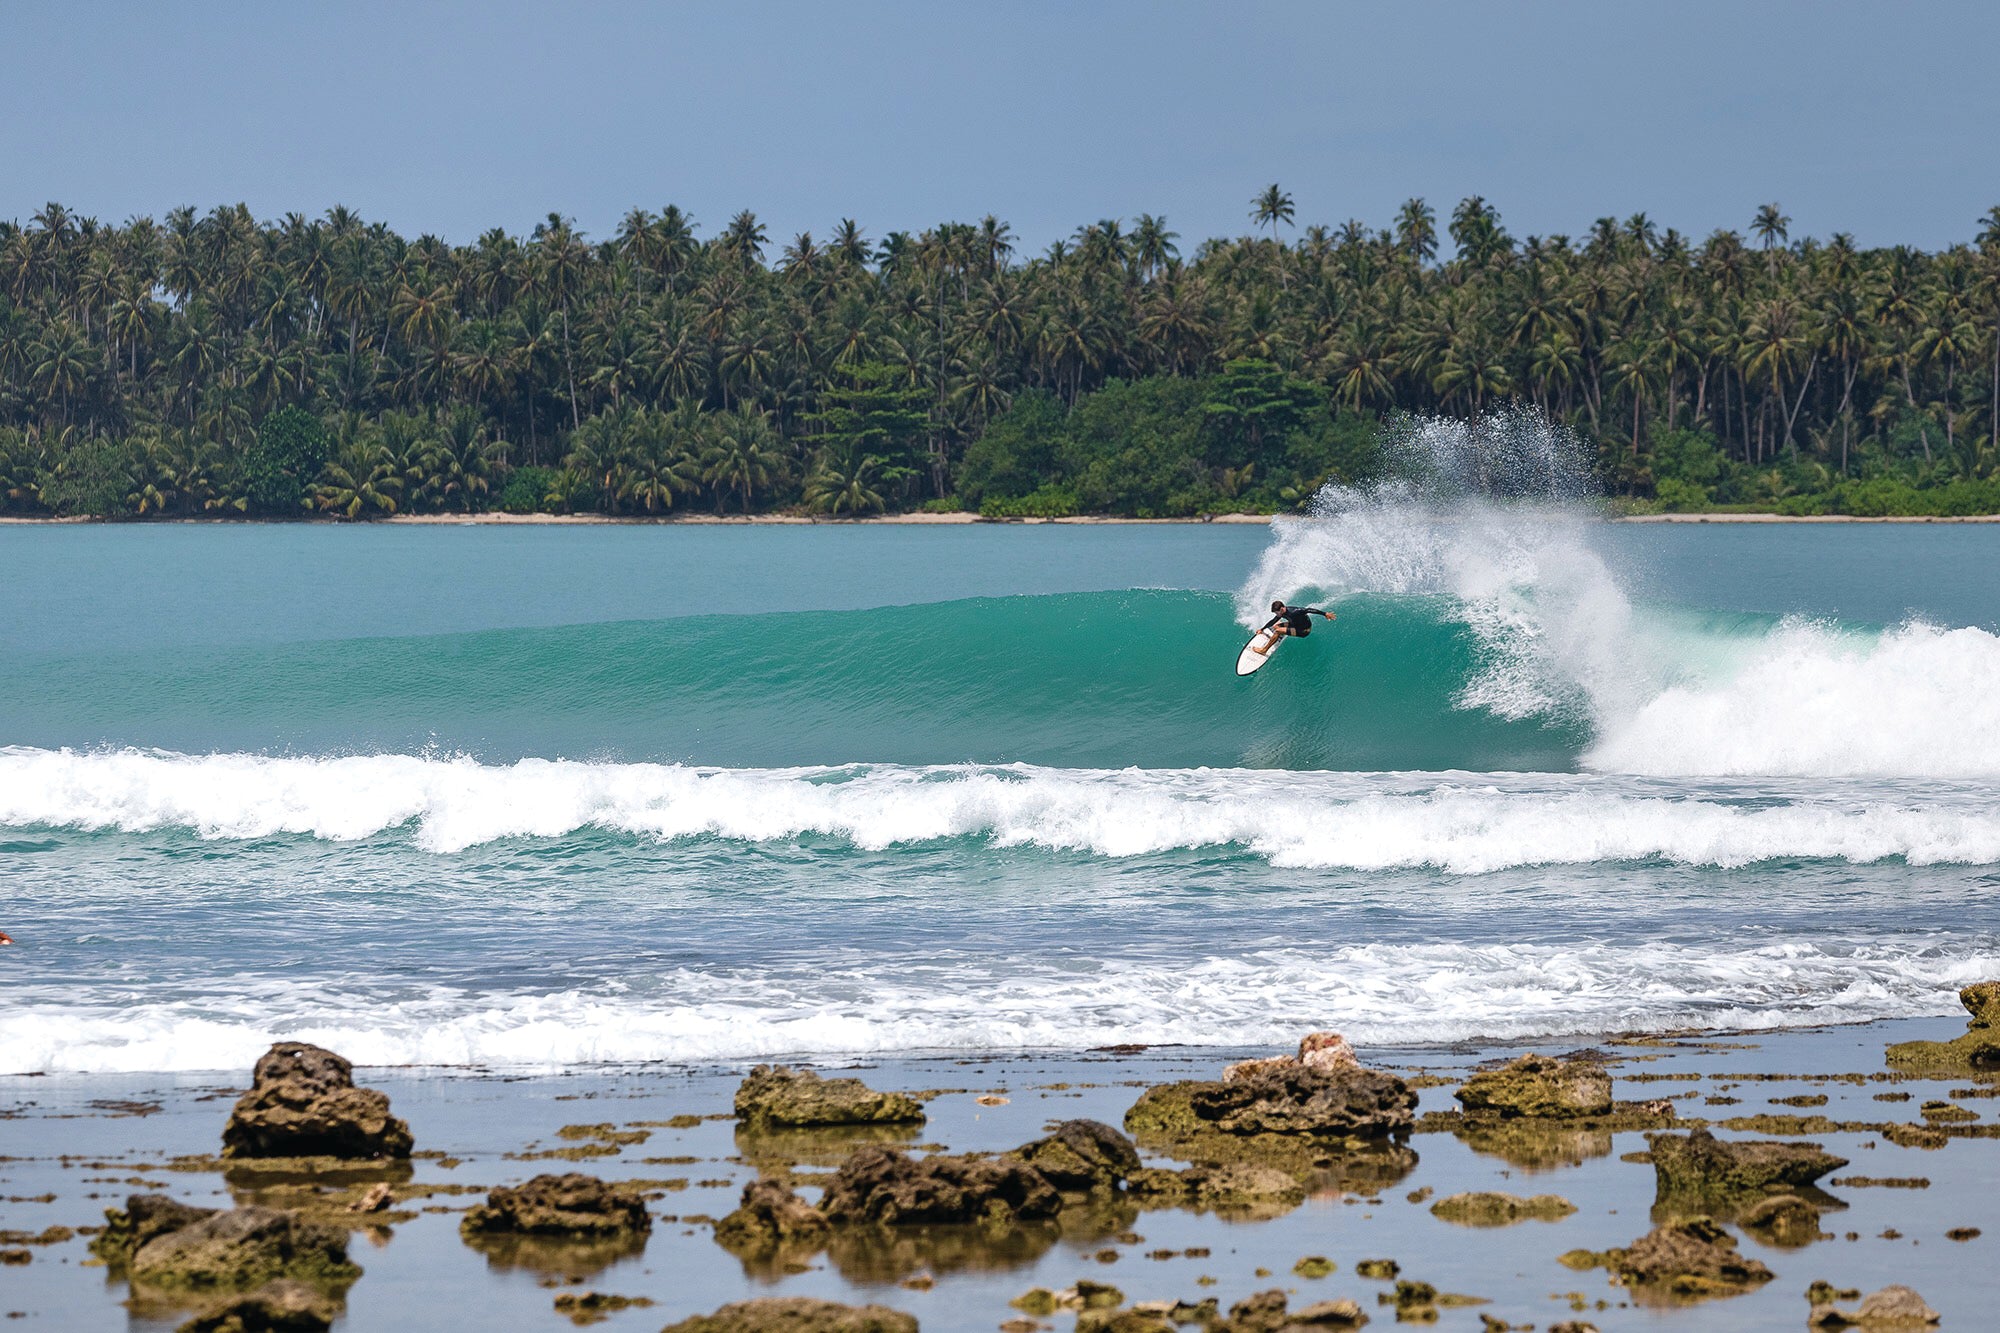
(547, 797)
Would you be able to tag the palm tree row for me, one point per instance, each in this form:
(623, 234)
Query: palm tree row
(657, 366)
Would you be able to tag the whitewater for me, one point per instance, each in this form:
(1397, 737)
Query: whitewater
(546, 799)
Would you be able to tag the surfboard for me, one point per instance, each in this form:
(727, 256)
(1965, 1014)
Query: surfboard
(1263, 646)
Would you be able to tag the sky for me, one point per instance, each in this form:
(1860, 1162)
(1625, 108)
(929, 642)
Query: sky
(452, 118)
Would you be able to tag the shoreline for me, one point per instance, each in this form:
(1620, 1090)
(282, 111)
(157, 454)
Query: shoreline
(1896, 1210)
(959, 519)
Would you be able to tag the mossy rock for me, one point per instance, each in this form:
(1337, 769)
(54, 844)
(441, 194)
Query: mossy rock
(1540, 1087)
(1492, 1209)
(782, 1097)
(1977, 1050)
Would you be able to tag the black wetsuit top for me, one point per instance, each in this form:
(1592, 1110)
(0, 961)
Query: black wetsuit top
(1298, 619)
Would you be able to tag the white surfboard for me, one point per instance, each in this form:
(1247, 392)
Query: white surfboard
(1263, 646)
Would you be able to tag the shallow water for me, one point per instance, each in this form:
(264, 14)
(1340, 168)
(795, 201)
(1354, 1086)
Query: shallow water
(420, 1274)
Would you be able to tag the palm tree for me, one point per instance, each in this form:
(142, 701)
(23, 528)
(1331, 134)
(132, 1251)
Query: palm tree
(744, 456)
(361, 478)
(1771, 225)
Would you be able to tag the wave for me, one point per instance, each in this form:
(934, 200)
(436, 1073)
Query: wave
(1550, 634)
(1379, 994)
(1462, 824)
(1492, 643)
(1474, 633)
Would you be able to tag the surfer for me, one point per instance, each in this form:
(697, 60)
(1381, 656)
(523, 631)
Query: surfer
(1294, 620)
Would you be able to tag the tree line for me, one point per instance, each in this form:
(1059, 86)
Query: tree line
(213, 364)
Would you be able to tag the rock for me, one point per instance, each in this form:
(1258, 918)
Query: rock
(1979, 1048)
(242, 1248)
(769, 1215)
(1326, 1314)
(881, 1185)
(283, 1306)
(1344, 1102)
(1782, 1219)
(1895, 1307)
(1536, 1085)
(1123, 1321)
(1484, 1209)
(1700, 1165)
(1410, 1296)
(1261, 1313)
(1381, 1269)
(1035, 1301)
(378, 1198)
(1314, 1266)
(144, 1217)
(797, 1314)
(591, 1307)
(1082, 1155)
(1321, 1051)
(1692, 1258)
(779, 1096)
(303, 1103)
(572, 1205)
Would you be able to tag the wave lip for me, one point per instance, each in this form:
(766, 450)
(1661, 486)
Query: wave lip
(1462, 824)
(1379, 994)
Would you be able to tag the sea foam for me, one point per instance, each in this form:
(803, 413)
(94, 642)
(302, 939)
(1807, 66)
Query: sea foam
(1460, 823)
(1376, 993)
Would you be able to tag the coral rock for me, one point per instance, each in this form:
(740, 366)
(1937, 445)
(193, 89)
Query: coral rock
(1690, 1258)
(1701, 1165)
(1536, 1085)
(779, 1096)
(567, 1205)
(1484, 1209)
(242, 1248)
(882, 1185)
(1321, 1051)
(769, 1215)
(303, 1103)
(797, 1314)
(1345, 1102)
(143, 1217)
(1895, 1307)
(1082, 1155)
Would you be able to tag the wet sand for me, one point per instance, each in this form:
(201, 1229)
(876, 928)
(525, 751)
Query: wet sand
(72, 1145)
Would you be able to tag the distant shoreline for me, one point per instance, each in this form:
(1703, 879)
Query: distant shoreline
(907, 520)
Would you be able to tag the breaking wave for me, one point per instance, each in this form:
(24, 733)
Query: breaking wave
(1463, 823)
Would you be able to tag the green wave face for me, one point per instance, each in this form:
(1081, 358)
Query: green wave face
(1094, 679)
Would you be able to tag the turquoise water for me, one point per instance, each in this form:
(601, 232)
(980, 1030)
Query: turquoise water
(557, 795)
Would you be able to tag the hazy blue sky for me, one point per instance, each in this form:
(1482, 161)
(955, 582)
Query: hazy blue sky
(1879, 119)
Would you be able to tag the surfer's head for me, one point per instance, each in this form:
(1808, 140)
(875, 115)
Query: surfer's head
(1277, 606)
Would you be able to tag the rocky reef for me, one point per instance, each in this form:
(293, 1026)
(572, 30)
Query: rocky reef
(1978, 1050)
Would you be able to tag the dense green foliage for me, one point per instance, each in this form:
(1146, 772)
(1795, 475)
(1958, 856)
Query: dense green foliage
(216, 365)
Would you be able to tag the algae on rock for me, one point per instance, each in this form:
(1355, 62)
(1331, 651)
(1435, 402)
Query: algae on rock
(1541, 1087)
(1490, 1209)
(783, 1097)
(1977, 1049)
(797, 1314)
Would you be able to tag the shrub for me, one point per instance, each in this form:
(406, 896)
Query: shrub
(526, 491)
